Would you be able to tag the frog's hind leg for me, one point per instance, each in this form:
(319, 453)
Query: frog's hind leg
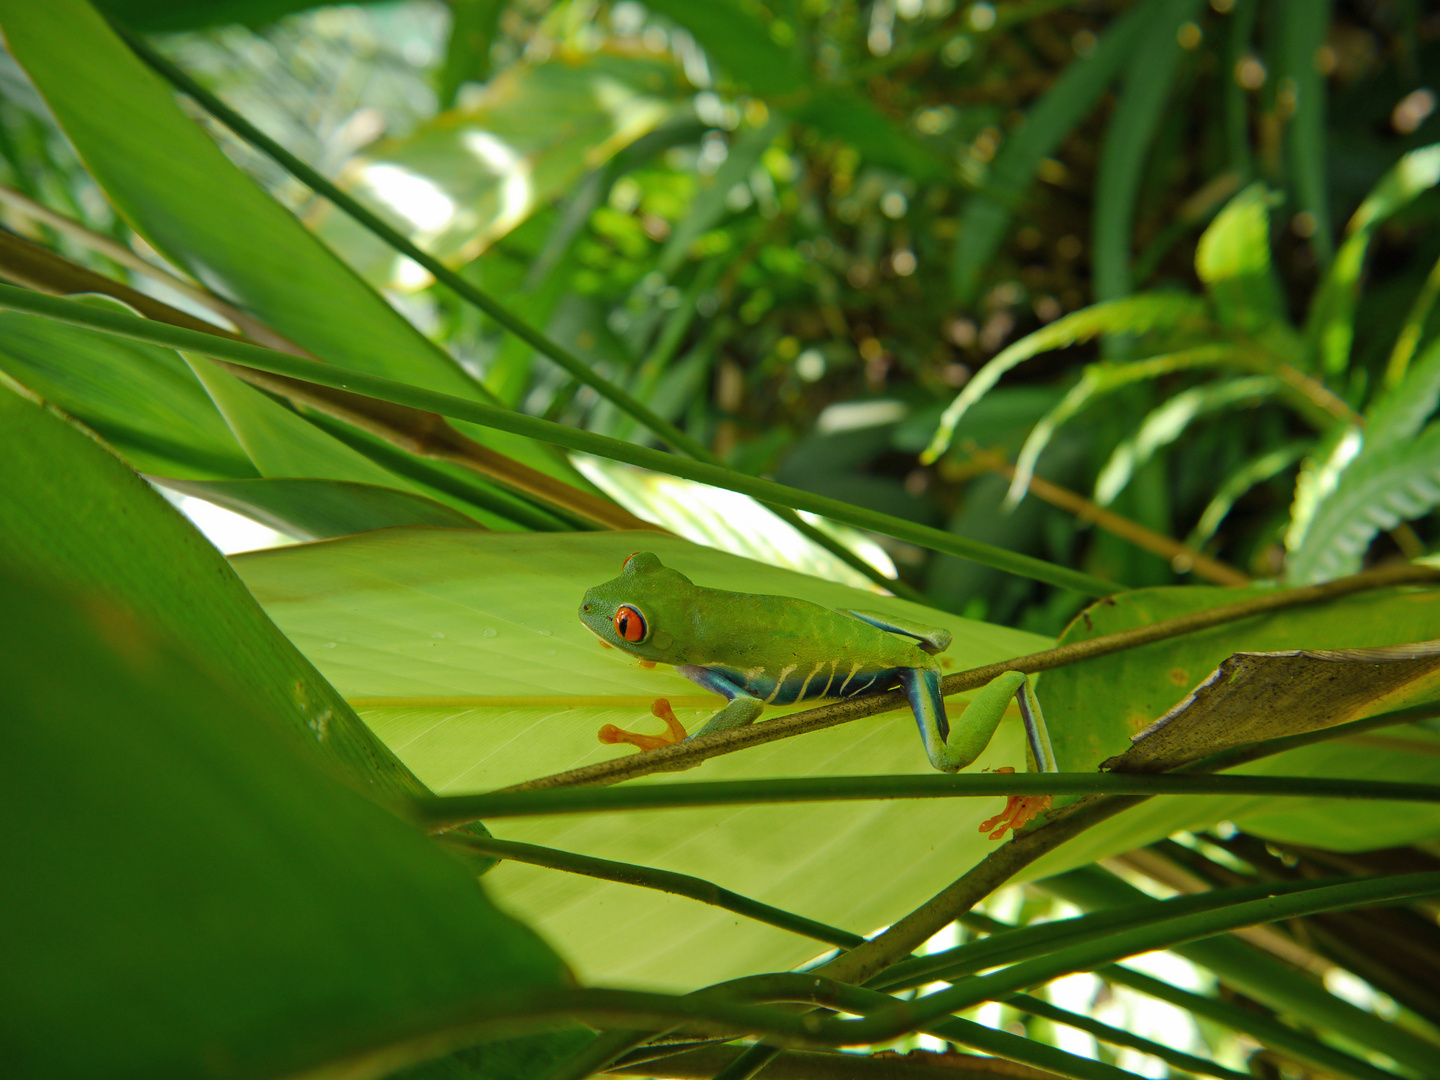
(932, 639)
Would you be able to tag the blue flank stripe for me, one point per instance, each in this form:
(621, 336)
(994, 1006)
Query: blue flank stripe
(762, 686)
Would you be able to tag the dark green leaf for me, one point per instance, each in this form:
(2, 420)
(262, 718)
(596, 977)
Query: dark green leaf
(318, 509)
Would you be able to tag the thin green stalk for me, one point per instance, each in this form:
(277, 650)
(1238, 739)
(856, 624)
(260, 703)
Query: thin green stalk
(1263, 1027)
(1119, 1037)
(452, 810)
(255, 356)
(695, 888)
(1010, 945)
(471, 294)
(1252, 1021)
(1261, 977)
(883, 1018)
(1174, 932)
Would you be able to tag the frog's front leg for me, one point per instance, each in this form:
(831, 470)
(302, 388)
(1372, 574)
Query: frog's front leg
(743, 709)
(950, 750)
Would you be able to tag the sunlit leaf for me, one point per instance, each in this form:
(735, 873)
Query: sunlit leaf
(1233, 260)
(466, 178)
(465, 653)
(231, 906)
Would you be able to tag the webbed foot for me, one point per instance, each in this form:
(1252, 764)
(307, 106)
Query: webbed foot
(661, 708)
(1019, 811)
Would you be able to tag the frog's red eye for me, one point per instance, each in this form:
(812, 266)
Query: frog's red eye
(630, 624)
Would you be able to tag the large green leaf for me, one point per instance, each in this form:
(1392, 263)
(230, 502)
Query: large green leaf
(465, 653)
(465, 178)
(168, 179)
(1095, 706)
(71, 512)
(141, 398)
(187, 893)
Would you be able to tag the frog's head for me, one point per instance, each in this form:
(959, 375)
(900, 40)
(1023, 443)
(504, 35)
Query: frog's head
(642, 611)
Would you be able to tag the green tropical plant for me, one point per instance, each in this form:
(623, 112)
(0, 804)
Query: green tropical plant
(245, 816)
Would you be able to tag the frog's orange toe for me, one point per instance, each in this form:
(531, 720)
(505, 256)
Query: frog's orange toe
(661, 708)
(1019, 811)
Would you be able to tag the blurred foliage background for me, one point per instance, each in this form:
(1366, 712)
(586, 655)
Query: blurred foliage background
(798, 228)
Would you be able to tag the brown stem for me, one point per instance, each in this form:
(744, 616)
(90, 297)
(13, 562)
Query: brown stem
(693, 751)
(1180, 556)
(422, 433)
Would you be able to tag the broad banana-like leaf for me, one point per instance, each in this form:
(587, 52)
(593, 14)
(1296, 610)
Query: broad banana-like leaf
(465, 653)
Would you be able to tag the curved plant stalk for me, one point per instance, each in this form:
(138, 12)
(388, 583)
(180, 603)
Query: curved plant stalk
(882, 1018)
(1183, 557)
(1141, 314)
(344, 385)
(473, 295)
(698, 748)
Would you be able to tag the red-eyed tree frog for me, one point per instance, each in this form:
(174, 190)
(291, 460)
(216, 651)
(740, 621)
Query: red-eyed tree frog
(758, 650)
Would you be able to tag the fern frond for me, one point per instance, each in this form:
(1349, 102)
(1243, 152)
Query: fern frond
(1319, 477)
(1142, 314)
(1379, 490)
(1403, 411)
